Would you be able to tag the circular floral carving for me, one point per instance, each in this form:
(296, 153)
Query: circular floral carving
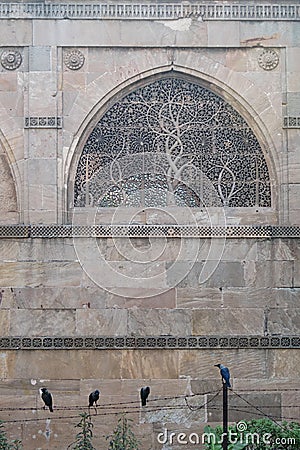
(268, 59)
(11, 59)
(74, 59)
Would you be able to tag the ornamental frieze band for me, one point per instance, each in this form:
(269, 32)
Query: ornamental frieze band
(152, 11)
(43, 122)
(139, 231)
(148, 342)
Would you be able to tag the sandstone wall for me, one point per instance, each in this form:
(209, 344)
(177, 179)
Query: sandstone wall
(122, 308)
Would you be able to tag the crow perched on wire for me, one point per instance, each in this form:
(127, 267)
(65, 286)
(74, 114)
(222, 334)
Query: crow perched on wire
(94, 397)
(224, 371)
(47, 399)
(145, 391)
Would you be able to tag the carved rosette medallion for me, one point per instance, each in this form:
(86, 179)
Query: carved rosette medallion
(73, 59)
(268, 59)
(11, 59)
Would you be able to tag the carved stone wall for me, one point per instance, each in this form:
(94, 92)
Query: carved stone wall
(120, 295)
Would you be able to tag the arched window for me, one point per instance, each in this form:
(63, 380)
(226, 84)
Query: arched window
(172, 142)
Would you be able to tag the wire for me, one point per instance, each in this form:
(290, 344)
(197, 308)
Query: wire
(257, 409)
(153, 400)
(246, 411)
(196, 408)
(133, 407)
(111, 405)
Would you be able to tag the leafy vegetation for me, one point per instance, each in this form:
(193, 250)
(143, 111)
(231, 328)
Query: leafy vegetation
(259, 434)
(123, 437)
(4, 442)
(85, 435)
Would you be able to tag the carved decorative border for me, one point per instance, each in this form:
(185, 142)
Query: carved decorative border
(148, 342)
(43, 122)
(232, 10)
(140, 231)
(291, 122)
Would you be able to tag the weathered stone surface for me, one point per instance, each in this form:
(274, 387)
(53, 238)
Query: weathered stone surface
(264, 297)
(205, 386)
(290, 405)
(143, 298)
(16, 35)
(216, 274)
(39, 59)
(42, 365)
(8, 82)
(42, 143)
(47, 249)
(269, 273)
(216, 30)
(278, 250)
(29, 388)
(198, 297)
(46, 274)
(159, 322)
(6, 298)
(70, 297)
(242, 363)
(101, 322)
(42, 171)
(148, 364)
(4, 322)
(25, 322)
(285, 364)
(228, 321)
(246, 406)
(284, 321)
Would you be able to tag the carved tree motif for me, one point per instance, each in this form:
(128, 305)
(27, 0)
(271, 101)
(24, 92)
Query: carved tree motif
(154, 144)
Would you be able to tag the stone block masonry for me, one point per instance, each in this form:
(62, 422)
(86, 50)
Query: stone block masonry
(95, 294)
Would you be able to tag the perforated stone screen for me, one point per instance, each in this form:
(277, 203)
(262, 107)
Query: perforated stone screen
(172, 142)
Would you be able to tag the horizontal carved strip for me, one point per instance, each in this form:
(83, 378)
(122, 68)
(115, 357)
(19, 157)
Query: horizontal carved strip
(148, 342)
(139, 231)
(291, 122)
(232, 10)
(43, 122)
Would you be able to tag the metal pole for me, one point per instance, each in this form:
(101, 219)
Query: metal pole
(225, 417)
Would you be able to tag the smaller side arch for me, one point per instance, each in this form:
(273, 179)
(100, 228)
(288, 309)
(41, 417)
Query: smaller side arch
(9, 211)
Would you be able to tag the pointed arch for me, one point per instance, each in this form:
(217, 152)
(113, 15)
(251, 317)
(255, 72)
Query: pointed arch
(215, 93)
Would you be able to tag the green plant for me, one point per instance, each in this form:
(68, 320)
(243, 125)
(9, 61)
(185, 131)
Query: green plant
(85, 436)
(123, 437)
(16, 444)
(213, 440)
(257, 434)
(273, 436)
(4, 442)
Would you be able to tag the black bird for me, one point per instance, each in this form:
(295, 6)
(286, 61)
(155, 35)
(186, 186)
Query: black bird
(94, 397)
(47, 399)
(225, 374)
(145, 391)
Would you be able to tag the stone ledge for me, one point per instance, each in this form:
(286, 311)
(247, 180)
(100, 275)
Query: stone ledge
(140, 231)
(232, 10)
(148, 342)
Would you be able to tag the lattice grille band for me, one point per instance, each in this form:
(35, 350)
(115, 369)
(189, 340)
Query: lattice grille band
(148, 342)
(172, 231)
